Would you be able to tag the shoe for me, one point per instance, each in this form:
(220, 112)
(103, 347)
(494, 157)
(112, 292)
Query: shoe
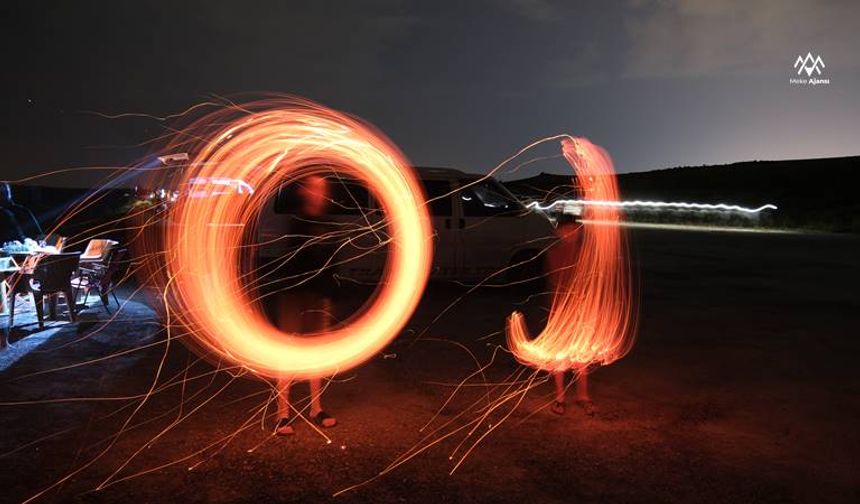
(587, 406)
(285, 427)
(324, 420)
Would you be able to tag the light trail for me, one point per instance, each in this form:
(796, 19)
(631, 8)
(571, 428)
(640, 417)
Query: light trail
(268, 144)
(689, 227)
(273, 142)
(591, 321)
(650, 204)
(591, 318)
(248, 151)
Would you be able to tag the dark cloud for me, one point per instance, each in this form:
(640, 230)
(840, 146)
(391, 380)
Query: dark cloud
(453, 83)
(694, 38)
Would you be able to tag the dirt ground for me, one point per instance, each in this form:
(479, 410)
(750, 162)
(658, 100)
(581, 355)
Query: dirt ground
(742, 387)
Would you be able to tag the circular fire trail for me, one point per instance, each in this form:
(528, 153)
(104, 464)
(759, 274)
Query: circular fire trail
(591, 317)
(272, 143)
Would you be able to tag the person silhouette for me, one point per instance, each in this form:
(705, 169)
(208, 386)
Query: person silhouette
(17, 222)
(560, 258)
(306, 305)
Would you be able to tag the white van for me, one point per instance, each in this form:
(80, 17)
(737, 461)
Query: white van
(480, 228)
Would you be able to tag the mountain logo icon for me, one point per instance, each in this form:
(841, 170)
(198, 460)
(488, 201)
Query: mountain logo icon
(809, 64)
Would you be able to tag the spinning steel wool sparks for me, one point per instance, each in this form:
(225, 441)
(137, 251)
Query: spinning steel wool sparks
(591, 318)
(272, 143)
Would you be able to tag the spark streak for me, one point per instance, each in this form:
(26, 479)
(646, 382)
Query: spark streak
(273, 142)
(591, 318)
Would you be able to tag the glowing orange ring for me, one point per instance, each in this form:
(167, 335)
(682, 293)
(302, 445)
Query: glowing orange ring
(202, 247)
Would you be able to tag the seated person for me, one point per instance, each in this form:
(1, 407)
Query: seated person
(17, 222)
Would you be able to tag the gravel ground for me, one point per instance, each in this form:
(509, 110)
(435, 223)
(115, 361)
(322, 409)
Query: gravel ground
(743, 387)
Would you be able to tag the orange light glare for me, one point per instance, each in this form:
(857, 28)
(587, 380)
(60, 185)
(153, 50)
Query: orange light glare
(269, 144)
(591, 316)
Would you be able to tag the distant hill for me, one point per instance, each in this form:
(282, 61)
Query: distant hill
(810, 193)
(819, 194)
(51, 205)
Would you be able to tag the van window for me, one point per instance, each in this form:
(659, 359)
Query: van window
(436, 189)
(348, 197)
(487, 197)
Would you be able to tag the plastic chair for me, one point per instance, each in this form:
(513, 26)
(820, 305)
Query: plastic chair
(101, 277)
(97, 250)
(19, 285)
(52, 276)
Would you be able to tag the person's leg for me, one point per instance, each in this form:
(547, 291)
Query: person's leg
(558, 404)
(284, 426)
(319, 416)
(582, 387)
(289, 320)
(583, 399)
(320, 321)
(283, 388)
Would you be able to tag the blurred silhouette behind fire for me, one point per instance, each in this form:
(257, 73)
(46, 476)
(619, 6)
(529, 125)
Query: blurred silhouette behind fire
(592, 320)
(17, 222)
(559, 258)
(306, 307)
(202, 276)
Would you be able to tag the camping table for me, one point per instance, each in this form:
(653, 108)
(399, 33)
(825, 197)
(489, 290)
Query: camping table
(5, 272)
(22, 258)
(4, 300)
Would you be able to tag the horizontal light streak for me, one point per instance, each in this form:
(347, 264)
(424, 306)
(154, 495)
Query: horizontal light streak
(651, 204)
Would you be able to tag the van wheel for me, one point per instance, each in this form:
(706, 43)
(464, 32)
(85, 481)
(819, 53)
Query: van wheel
(525, 265)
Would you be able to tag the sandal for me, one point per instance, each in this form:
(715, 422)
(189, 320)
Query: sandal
(557, 407)
(285, 427)
(324, 420)
(587, 406)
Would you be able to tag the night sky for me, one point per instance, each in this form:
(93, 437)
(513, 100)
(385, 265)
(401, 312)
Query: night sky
(460, 84)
